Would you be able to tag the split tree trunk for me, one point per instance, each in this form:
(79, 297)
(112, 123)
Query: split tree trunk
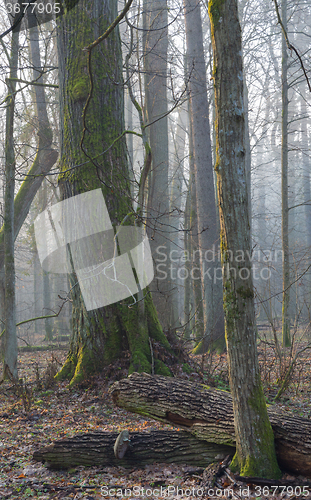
(208, 414)
(146, 448)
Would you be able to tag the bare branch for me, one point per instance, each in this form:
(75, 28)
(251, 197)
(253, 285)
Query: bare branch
(289, 45)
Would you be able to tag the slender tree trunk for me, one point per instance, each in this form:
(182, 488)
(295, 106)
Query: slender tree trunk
(188, 302)
(284, 165)
(36, 286)
(45, 277)
(204, 178)
(195, 272)
(45, 136)
(307, 199)
(255, 453)
(248, 157)
(129, 140)
(45, 157)
(175, 217)
(155, 68)
(10, 343)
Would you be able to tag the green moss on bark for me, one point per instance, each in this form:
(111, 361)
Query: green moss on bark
(102, 336)
(214, 9)
(264, 463)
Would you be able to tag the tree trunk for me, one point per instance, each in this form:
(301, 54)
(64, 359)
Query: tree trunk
(194, 257)
(146, 448)
(284, 164)
(208, 414)
(10, 341)
(188, 292)
(104, 335)
(46, 156)
(255, 454)
(177, 277)
(155, 46)
(46, 296)
(208, 234)
(307, 201)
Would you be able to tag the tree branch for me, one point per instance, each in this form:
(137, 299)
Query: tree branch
(289, 45)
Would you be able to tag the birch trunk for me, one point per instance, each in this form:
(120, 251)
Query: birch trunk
(255, 454)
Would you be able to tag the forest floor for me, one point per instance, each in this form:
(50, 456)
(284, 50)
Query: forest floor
(53, 411)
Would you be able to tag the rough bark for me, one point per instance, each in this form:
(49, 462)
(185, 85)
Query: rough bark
(208, 233)
(100, 336)
(208, 414)
(255, 454)
(176, 447)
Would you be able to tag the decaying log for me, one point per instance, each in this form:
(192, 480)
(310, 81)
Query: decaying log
(177, 447)
(207, 414)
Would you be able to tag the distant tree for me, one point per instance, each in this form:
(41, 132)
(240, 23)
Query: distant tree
(284, 163)
(208, 232)
(155, 48)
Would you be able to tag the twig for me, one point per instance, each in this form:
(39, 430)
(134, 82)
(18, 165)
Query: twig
(38, 317)
(289, 45)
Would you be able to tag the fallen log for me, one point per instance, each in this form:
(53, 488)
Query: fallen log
(207, 413)
(177, 447)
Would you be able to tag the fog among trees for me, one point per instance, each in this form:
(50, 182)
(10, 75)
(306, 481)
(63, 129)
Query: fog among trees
(192, 118)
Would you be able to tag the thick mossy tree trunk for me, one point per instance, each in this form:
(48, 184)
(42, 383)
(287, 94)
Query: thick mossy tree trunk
(255, 455)
(101, 336)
